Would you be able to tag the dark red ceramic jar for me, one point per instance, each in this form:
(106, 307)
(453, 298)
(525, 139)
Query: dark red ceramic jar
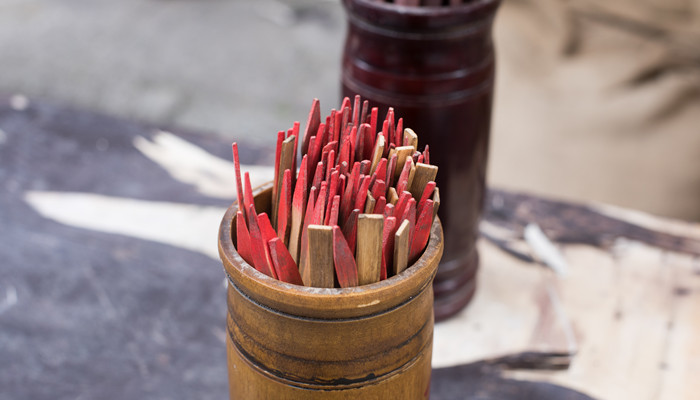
(435, 66)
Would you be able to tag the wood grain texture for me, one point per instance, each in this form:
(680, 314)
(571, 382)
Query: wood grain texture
(401, 248)
(369, 248)
(320, 272)
(424, 173)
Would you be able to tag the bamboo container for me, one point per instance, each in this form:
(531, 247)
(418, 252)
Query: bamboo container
(292, 342)
(435, 67)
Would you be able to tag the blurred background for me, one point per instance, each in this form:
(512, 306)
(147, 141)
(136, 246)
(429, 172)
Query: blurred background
(595, 100)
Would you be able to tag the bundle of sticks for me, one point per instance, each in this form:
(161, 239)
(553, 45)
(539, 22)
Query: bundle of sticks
(358, 210)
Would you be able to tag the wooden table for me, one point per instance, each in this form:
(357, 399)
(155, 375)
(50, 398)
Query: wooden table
(111, 287)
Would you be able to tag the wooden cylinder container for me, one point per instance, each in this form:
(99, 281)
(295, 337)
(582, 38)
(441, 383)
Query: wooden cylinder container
(292, 342)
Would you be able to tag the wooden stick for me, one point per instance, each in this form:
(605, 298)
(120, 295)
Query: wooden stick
(402, 182)
(436, 201)
(402, 204)
(362, 193)
(284, 264)
(320, 270)
(387, 245)
(393, 196)
(239, 182)
(284, 212)
(277, 177)
(402, 153)
(356, 111)
(298, 209)
(380, 205)
(285, 163)
(410, 138)
(257, 246)
(243, 238)
(427, 192)
(308, 217)
(401, 248)
(377, 154)
(369, 248)
(332, 191)
(363, 114)
(388, 210)
(312, 124)
(424, 173)
(378, 189)
(370, 203)
(347, 202)
(422, 231)
(350, 229)
(399, 131)
(344, 260)
(332, 215)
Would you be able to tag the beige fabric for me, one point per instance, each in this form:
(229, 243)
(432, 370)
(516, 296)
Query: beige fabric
(600, 100)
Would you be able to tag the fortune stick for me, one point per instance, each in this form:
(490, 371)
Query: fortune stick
(358, 210)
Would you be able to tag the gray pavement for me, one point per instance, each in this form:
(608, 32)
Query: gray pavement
(239, 68)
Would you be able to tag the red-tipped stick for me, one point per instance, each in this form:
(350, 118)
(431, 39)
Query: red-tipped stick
(332, 125)
(277, 177)
(378, 189)
(353, 144)
(345, 103)
(427, 192)
(369, 143)
(243, 238)
(364, 167)
(402, 182)
(312, 124)
(399, 131)
(380, 205)
(390, 169)
(284, 264)
(402, 204)
(332, 216)
(388, 244)
(332, 191)
(257, 246)
(422, 231)
(347, 201)
(356, 111)
(426, 154)
(318, 176)
(284, 213)
(385, 132)
(339, 128)
(248, 194)
(239, 182)
(295, 132)
(388, 210)
(362, 193)
(392, 130)
(350, 229)
(379, 172)
(344, 260)
(360, 143)
(320, 206)
(363, 114)
(298, 209)
(285, 163)
(308, 217)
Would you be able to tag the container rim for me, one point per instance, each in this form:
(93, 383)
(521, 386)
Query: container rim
(327, 302)
(429, 17)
